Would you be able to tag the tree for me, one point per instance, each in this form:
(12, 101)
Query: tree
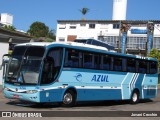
(154, 53)
(9, 27)
(84, 11)
(48, 40)
(38, 29)
(51, 34)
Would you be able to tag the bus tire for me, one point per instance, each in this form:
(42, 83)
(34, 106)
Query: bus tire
(135, 97)
(69, 99)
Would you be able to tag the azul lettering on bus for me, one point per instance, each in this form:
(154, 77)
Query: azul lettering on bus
(100, 78)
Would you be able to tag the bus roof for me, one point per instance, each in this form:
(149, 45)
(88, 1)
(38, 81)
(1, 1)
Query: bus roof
(86, 47)
(46, 44)
(96, 43)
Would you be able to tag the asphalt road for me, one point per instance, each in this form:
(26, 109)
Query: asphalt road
(114, 109)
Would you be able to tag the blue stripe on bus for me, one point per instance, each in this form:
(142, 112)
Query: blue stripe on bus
(138, 83)
(126, 86)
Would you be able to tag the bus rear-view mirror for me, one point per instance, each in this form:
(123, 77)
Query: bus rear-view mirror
(4, 60)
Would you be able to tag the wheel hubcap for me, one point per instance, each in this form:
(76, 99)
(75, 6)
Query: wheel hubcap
(134, 97)
(67, 98)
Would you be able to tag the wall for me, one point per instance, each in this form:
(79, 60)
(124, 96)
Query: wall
(3, 50)
(63, 30)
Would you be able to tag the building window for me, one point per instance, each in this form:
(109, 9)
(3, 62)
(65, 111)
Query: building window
(116, 26)
(136, 42)
(112, 40)
(62, 26)
(82, 24)
(92, 26)
(73, 27)
(156, 42)
(61, 39)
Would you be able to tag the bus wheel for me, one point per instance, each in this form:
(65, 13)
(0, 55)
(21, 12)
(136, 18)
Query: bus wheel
(69, 99)
(135, 97)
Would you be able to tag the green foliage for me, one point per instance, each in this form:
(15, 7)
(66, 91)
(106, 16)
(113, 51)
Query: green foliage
(9, 27)
(51, 34)
(154, 53)
(84, 11)
(48, 40)
(38, 29)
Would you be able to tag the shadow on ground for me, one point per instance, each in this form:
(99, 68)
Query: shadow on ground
(79, 104)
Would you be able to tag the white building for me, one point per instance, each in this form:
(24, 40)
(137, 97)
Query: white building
(106, 30)
(109, 30)
(6, 19)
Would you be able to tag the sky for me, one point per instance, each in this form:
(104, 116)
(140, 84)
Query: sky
(26, 12)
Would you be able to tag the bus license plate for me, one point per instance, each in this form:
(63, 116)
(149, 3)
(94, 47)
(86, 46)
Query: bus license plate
(15, 96)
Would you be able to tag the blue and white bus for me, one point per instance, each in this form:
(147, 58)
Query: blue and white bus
(71, 72)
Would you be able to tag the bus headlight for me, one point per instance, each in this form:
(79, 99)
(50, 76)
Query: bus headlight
(31, 91)
(5, 88)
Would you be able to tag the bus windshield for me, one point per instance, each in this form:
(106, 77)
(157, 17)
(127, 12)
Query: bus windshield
(24, 65)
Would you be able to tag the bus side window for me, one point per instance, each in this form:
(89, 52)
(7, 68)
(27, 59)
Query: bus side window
(153, 67)
(72, 58)
(131, 66)
(96, 61)
(117, 66)
(124, 67)
(142, 66)
(106, 62)
(87, 60)
(52, 64)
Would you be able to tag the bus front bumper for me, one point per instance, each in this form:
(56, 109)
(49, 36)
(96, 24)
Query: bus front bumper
(32, 97)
